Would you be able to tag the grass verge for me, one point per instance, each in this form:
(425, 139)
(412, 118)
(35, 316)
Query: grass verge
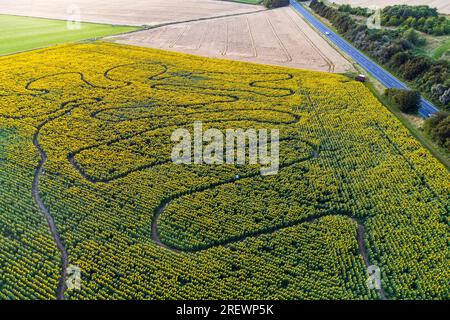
(437, 151)
(440, 51)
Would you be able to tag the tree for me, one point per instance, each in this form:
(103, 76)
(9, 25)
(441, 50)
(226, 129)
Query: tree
(393, 21)
(445, 97)
(407, 101)
(270, 4)
(412, 36)
(399, 59)
(438, 128)
(414, 67)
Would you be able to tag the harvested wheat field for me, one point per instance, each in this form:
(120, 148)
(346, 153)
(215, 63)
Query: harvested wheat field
(137, 12)
(443, 6)
(277, 37)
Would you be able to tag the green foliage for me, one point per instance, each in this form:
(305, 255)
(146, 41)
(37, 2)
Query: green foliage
(422, 18)
(358, 11)
(270, 4)
(438, 128)
(407, 101)
(26, 33)
(395, 49)
(413, 36)
(415, 66)
(444, 49)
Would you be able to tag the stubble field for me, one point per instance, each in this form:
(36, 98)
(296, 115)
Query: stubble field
(276, 37)
(124, 12)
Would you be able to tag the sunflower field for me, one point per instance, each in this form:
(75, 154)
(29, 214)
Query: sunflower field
(86, 179)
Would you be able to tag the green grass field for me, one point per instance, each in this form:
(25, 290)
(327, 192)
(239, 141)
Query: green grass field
(436, 47)
(440, 51)
(26, 33)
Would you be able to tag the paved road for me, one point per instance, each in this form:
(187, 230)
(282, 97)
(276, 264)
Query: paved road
(388, 80)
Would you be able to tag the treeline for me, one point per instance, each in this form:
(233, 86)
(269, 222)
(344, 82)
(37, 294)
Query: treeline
(394, 49)
(270, 4)
(438, 128)
(407, 101)
(359, 11)
(422, 18)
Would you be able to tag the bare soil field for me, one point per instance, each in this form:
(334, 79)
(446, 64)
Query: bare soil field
(277, 37)
(443, 6)
(124, 12)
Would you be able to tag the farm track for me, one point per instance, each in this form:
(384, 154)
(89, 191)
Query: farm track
(205, 19)
(67, 107)
(50, 221)
(280, 42)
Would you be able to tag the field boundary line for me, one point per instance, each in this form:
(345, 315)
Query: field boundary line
(164, 24)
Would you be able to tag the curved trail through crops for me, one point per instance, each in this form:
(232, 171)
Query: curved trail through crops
(40, 203)
(230, 96)
(51, 222)
(360, 230)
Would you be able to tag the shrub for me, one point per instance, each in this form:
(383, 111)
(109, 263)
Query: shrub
(438, 128)
(422, 18)
(407, 101)
(270, 4)
(414, 67)
(413, 36)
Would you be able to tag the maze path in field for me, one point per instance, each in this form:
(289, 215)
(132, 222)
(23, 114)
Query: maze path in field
(66, 108)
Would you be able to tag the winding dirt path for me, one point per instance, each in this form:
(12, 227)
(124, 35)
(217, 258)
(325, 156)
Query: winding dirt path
(40, 203)
(67, 107)
(360, 230)
(165, 202)
(51, 222)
